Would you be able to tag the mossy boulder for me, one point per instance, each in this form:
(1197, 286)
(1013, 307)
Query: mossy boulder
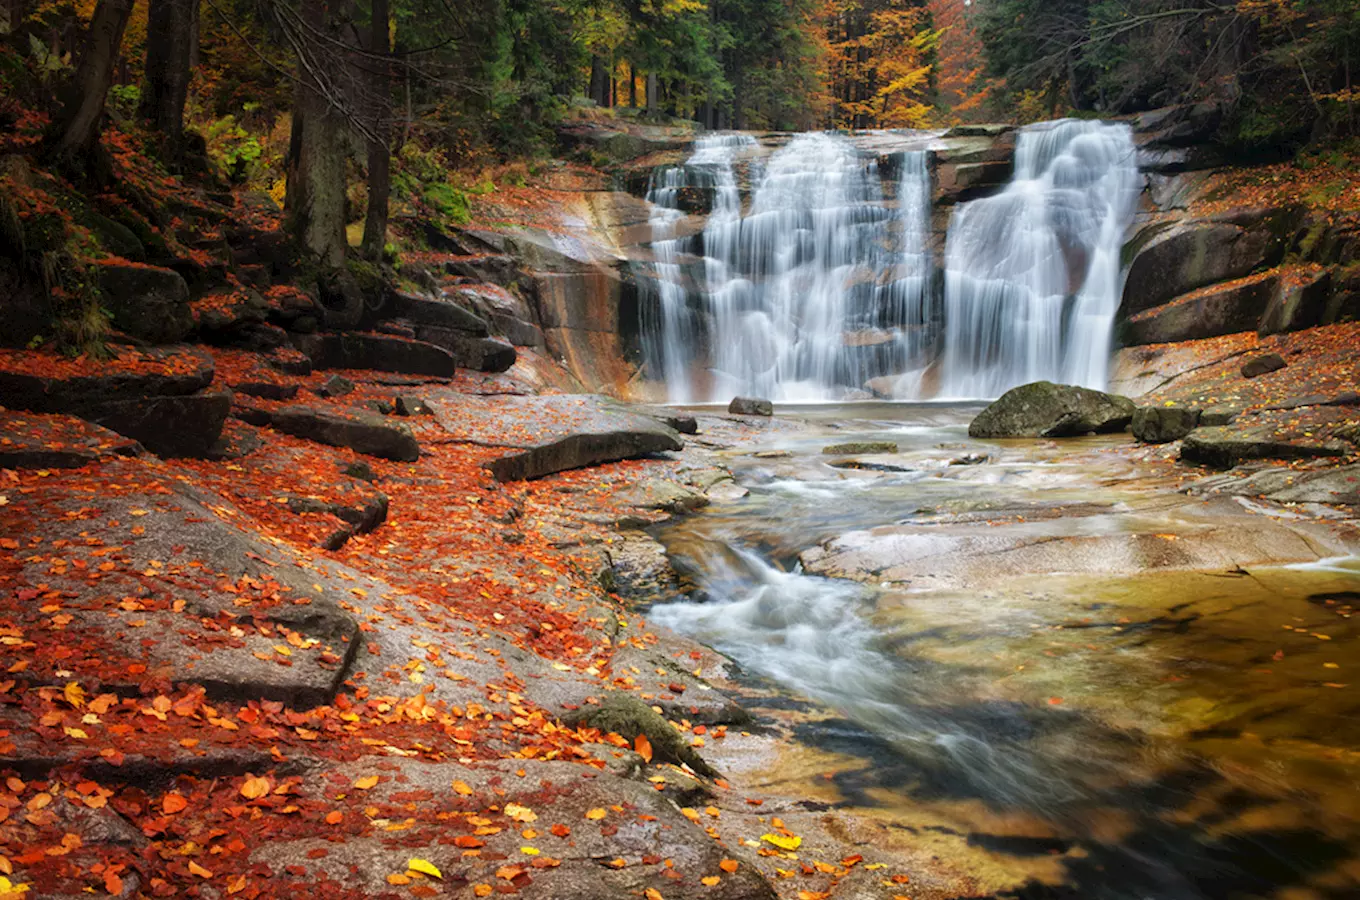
(146, 302)
(1161, 424)
(628, 716)
(1045, 409)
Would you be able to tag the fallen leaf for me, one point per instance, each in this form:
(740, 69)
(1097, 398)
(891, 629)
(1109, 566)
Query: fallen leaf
(173, 803)
(783, 841)
(367, 782)
(198, 870)
(424, 867)
(643, 747)
(254, 788)
(728, 865)
(596, 813)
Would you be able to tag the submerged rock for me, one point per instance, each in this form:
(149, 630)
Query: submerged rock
(750, 406)
(1045, 409)
(858, 448)
(1160, 424)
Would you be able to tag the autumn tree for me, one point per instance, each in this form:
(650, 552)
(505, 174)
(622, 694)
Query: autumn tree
(73, 140)
(881, 54)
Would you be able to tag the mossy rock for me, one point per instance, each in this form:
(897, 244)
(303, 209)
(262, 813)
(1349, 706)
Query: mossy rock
(115, 237)
(628, 716)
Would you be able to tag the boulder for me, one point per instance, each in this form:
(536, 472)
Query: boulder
(225, 316)
(412, 406)
(483, 354)
(266, 390)
(516, 330)
(628, 716)
(441, 313)
(187, 425)
(379, 352)
(361, 431)
(1262, 365)
(750, 406)
(1299, 301)
(146, 302)
(335, 386)
(1225, 446)
(1044, 409)
(152, 373)
(1161, 424)
(550, 434)
(857, 448)
(1208, 312)
(1189, 256)
(42, 441)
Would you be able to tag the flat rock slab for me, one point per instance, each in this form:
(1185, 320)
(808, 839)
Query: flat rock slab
(552, 434)
(361, 431)
(187, 425)
(1227, 445)
(380, 352)
(37, 441)
(1337, 485)
(46, 382)
(482, 354)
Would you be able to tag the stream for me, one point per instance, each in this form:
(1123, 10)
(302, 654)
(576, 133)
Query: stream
(1125, 735)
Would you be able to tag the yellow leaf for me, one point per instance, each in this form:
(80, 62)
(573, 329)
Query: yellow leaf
(460, 787)
(398, 878)
(520, 813)
(74, 693)
(783, 841)
(77, 733)
(652, 894)
(529, 851)
(482, 890)
(596, 813)
(6, 887)
(424, 867)
(709, 880)
(368, 781)
(254, 788)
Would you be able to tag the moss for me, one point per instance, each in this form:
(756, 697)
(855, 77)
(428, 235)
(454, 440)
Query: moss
(1308, 244)
(628, 716)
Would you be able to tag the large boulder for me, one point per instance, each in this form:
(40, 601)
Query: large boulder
(1161, 424)
(187, 425)
(1045, 409)
(379, 352)
(1188, 256)
(750, 406)
(1300, 301)
(361, 431)
(1209, 312)
(146, 302)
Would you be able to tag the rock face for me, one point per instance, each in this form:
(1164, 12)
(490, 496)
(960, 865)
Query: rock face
(1208, 312)
(552, 433)
(147, 302)
(1189, 256)
(482, 354)
(167, 426)
(1225, 446)
(1337, 485)
(750, 406)
(364, 432)
(379, 352)
(1044, 409)
(1297, 303)
(1263, 365)
(1161, 424)
(443, 313)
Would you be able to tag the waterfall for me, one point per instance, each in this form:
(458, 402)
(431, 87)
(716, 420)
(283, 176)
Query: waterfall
(1032, 275)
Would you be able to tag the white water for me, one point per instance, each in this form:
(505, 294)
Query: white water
(822, 286)
(1032, 275)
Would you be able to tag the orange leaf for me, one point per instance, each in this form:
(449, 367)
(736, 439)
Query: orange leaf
(596, 813)
(560, 830)
(467, 841)
(643, 747)
(365, 783)
(173, 803)
(728, 865)
(482, 890)
(334, 817)
(198, 870)
(254, 788)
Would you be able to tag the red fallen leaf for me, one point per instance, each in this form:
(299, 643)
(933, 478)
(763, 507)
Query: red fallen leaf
(173, 803)
(112, 883)
(468, 841)
(560, 830)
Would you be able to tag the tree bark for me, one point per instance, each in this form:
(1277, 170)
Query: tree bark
(74, 135)
(599, 81)
(314, 206)
(379, 149)
(171, 39)
(652, 99)
(632, 85)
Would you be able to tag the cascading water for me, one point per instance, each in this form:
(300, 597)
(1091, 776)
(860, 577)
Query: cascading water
(818, 288)
(1032, 275)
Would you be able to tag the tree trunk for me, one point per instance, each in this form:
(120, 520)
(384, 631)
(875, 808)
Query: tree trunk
(171, 38)
(652, 99)
(379, 150)
(314, 206)
(599, 82)
(74, 136)
(632, 85)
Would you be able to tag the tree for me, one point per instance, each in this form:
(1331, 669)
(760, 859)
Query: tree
(73, 140)
(379, 145)
(171, 39)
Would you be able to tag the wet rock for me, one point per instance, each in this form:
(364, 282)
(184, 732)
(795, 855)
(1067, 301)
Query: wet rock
(1218, 415)
(167, 426)
(146, 302)
(1299, 302)
(1339, 485)
(441, 313)
(236, 441)
(858, 448)
(727, 492)
(290, 361)
(628, 716)
(266, 390)
(1208, 312)
(970, 459)
(1263, 365)
(412, 406)
(482, 354)
(1189, 256)
(335, 386)
(1045, 409)
(380, 352)
(1225, 446)
(381, 407)
(363, 432)
(666, 495)
(160, 372)
(750, 406)
(38, 441)
(1161, 424)
(222, 317)
(552, 433)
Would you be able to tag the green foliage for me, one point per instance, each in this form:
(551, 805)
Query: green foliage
(123, 99)
(422, 177)
(232, 149)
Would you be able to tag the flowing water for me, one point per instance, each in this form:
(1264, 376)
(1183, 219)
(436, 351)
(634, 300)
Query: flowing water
(813, 279)
(1158, 735)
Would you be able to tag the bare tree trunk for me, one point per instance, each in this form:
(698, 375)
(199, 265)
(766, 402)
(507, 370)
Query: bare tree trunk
(653, 101)
(599, 81)
(171, 40)
(74, 135)
(379, 149)
(632, 85)
(314, 207)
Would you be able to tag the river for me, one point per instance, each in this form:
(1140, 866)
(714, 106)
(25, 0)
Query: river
(1051, 664)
